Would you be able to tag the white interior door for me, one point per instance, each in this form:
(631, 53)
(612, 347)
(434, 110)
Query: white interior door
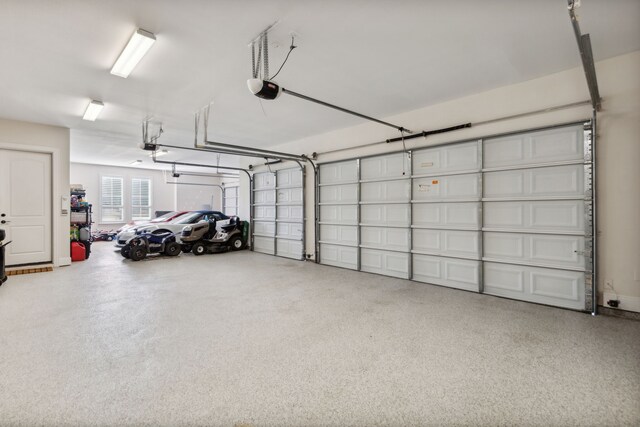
(25, 206)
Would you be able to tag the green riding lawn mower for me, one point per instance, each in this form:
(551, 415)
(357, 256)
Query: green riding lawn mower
(204, 238)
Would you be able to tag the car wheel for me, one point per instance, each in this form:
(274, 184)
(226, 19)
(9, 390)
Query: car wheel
(236, 243)
(172, 249)
(125, 251)
(199, 249)
(138, 253)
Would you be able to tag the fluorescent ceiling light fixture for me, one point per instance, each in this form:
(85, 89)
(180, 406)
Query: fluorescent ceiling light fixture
(139, 44)
(159, 153)
(135, 162)
(92, 111)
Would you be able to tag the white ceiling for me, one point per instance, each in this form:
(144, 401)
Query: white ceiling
(376, 57)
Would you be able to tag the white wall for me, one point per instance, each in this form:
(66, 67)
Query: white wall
(163, 196)
(48, 139)
(618, 148)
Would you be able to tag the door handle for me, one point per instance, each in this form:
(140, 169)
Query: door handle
(4, 221)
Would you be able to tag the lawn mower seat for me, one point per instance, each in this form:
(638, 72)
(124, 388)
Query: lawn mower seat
(233, 222)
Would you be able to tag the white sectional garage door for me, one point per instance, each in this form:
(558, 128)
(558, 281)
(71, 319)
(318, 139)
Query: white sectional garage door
(230, 200)
(536, 217)
(278, 214)
(507, 216)
(447, 190)
(339, 213)
(289, 213)
(264, 212)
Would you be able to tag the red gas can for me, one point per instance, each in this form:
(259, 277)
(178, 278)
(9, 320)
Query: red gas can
(78, 252)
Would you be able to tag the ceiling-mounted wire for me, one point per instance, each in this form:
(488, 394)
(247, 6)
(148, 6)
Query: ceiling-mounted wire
(285, 59)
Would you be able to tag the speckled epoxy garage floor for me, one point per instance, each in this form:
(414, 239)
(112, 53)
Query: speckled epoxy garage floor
(244, 338)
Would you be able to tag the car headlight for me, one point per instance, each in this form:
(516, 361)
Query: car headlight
(187, 228)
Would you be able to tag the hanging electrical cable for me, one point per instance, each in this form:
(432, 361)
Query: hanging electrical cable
(285, 59)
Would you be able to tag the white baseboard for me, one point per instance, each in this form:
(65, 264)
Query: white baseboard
(626, 302)
(63, 261)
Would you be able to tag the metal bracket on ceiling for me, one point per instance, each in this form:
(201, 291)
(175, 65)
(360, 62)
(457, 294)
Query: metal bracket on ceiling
(586, 55)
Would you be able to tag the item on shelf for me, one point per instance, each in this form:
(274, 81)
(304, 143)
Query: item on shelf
(3, 276)
(80, 221)
(78, 251)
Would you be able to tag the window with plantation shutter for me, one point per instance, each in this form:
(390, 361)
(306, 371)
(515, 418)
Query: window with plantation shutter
(140, 198)
(111, 199)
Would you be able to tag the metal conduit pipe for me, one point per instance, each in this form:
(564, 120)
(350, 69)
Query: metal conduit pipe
(260, 151)
(200, 165)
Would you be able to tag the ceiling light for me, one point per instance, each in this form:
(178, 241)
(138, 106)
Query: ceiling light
(140, 42)
(135, 162)
(92, 111)
(159, 153)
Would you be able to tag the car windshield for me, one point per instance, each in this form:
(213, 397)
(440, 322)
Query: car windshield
(187, 219)
(163, 218)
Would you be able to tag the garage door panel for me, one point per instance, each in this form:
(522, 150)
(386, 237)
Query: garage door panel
(447, 215)
(386, 215)
(264, 180)
(264, 228)
(290, 213)
(345, 235)
(334, 173)
(289, 195)
(447, 159)
(339, 256)
(542, 285)
(385, 238)
(452, 243)
(542, 249)
(380, 167)
(264, 212)
(558, 216)
(290, 230)
(386, 263)
(540, 182)
(347, 214)
(264, 197)
(385, 191)
(263, 245)
(447, 188)
(347, 193)
(230, 192)
(553, 145)
(289, 249)
(451, 272)
(289, 178)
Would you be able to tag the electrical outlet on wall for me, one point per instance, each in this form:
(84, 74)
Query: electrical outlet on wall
(624, 302)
